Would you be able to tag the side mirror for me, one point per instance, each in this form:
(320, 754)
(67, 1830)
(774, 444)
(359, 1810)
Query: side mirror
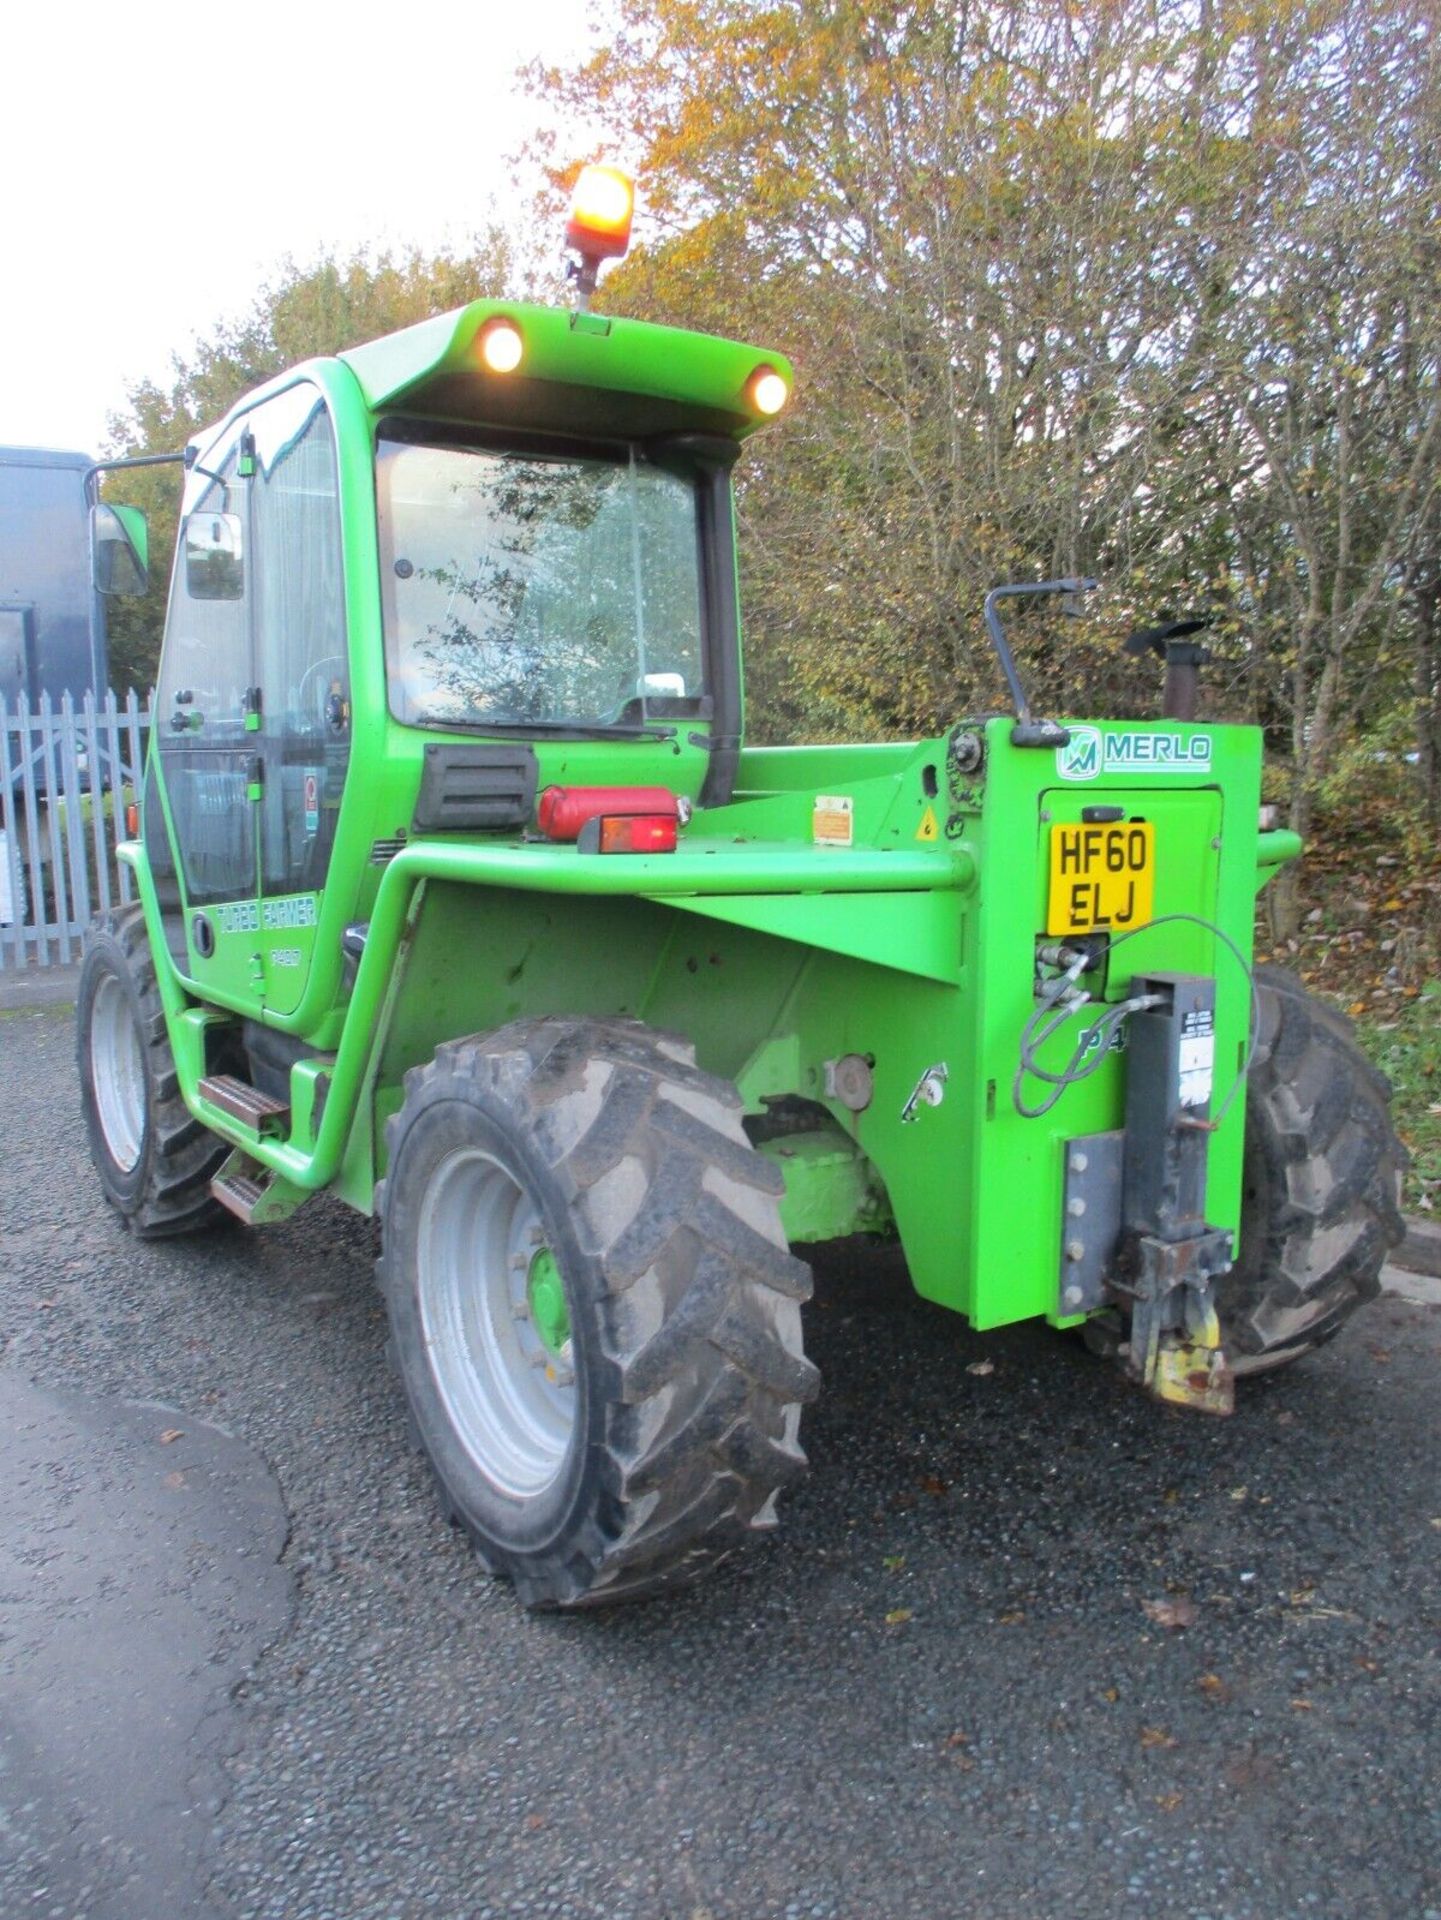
(214, 556)
(119, 550)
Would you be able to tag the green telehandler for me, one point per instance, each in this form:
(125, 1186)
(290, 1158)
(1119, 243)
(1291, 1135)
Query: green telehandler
(461, 896)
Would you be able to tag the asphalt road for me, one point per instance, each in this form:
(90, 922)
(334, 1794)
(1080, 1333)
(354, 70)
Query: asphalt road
(937, 1692)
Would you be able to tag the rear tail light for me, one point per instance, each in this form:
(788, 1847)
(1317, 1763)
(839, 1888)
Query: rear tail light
(628, 833)
(132, 821)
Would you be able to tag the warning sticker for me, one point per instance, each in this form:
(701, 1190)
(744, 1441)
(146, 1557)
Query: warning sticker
(832, 820)
(928, 829)
(312, 804)
(1197, 1057)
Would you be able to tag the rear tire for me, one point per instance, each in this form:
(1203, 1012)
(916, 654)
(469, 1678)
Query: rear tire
(154, 1158)
(1321, 1182)
(594, 1313)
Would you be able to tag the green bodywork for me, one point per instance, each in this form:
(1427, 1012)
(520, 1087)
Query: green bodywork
(909, 952)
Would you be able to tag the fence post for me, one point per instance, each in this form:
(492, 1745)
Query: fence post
(95, 760)
(30, 750)
(137, 760)
(72, 798)
(14, 867)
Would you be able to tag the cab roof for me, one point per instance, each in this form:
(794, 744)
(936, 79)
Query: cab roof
(588, 374)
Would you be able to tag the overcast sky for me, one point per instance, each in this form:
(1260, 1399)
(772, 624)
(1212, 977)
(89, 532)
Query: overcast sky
(161, 160)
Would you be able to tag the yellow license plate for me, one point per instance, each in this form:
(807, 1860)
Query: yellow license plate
(1102, 876)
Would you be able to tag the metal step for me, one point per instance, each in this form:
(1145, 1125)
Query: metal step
(254, 1193)
(240, 1193)
(244, 1103)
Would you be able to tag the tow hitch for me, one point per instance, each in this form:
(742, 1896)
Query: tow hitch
(1135, 1232)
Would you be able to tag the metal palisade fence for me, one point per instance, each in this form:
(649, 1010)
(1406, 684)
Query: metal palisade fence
(67, 775)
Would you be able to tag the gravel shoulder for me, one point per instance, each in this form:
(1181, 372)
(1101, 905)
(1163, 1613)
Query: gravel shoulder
(939, 1691)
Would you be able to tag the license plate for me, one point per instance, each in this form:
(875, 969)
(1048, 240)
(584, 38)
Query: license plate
(1102, 876)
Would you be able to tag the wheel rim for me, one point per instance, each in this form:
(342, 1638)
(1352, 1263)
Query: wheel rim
(494, 1319)
(117, 1072)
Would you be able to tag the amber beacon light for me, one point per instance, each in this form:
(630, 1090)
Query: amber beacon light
(601, 208)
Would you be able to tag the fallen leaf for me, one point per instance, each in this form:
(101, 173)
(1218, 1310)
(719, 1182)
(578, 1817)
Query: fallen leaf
(1011, 1619)
(893, 1562)
(1357, 1006)
(933, 1486)
(1157, 1737)
(1303, 1596)
(1367, 1666)
(981, 1367)
(1178, 1612)
(1239, 1493)
(171, 1435)
(1111, 1695)
(1302, 1706)
(898, 1616)
(958, 1739)
(1168, 1802)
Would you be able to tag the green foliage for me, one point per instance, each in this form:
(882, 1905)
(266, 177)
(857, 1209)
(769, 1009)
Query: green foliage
(305, 312)
(1408, 1051)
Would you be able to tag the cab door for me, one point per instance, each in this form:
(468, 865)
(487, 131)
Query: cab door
(200, 835)
(302, 677)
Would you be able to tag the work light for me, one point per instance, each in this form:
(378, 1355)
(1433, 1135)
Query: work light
(501, 346)
(768, 390)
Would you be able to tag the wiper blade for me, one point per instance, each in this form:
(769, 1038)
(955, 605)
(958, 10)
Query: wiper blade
(551, 729)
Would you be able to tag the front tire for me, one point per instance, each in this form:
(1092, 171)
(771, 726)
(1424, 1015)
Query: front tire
(594, 1314)
(154, 1158)
(1321, 1182)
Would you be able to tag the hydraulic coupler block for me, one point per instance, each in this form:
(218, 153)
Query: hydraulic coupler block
(1169, 1258)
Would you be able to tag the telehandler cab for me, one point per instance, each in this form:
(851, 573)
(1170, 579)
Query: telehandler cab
(463, 898)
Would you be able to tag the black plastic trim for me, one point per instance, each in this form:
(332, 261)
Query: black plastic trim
(476, 789)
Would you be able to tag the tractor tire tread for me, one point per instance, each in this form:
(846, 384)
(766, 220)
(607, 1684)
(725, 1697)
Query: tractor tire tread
(1323, 1170)
(183, 1154)
(699, 1297)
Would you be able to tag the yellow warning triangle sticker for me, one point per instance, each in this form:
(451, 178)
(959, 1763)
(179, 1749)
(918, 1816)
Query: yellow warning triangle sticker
(928, 830)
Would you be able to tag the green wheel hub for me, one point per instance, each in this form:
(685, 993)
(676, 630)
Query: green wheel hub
(545, 1294)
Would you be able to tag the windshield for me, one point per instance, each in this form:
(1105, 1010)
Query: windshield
(528, 590)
